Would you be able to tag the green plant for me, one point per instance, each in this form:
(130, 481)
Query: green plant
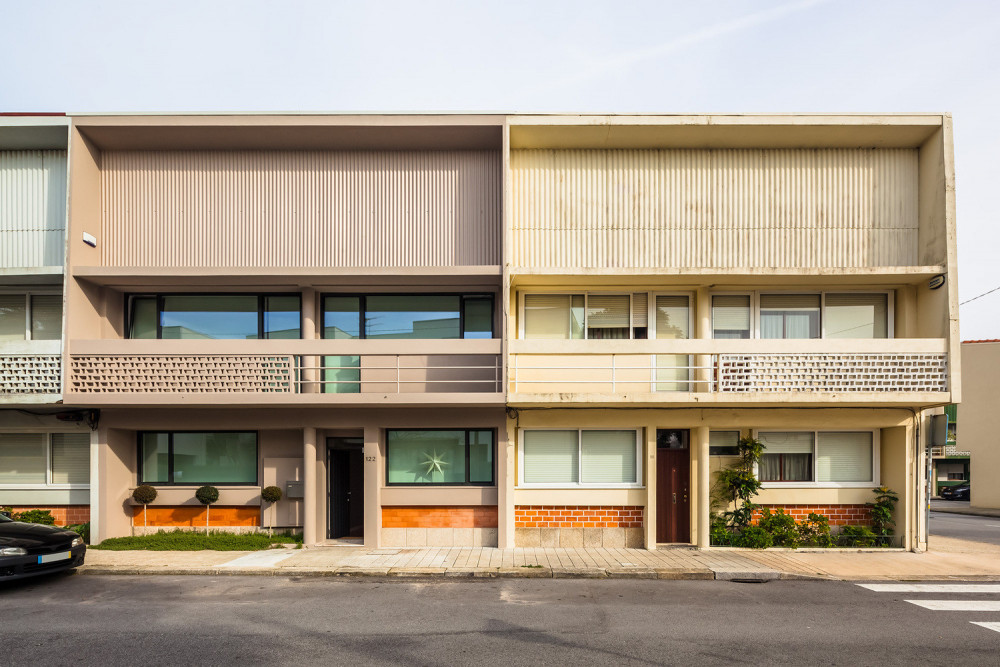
(43, 517)
(754, 537)
(780, 526)
(719, 533)
(207, 495)
(271, 495)
(856, 536)
(882, 509)
(82, 529)
(181, 540)
(737, 485)
(144, 494)
(815, 531)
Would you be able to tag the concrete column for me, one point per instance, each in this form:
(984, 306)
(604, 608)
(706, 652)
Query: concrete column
(96, 505)
(505, 486)
(702, 483)
(374, 461)
(649, 470)
(703, 331)
(310, 331)
(311, 483)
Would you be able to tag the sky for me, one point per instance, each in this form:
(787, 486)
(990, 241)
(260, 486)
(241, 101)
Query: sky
(537, 56)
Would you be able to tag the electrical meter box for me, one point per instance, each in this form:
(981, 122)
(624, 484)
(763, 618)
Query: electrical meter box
(294, 490)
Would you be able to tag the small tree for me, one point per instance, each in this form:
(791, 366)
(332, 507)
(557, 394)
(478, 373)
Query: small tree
(881, 512)
(207, 495)
(144, 494)
(271, 495)
(738, 484)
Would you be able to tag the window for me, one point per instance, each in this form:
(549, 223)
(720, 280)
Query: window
(45, 459)
(579, 457)
(672, 321)
(822, 457)
(439, 457)
(215, 316)
(789, 316)
(956, 476)
(196, 458)
(731, 316)
(723, 443)
(408, 316)
(32, 316)
(594, 316)
(856, 315)
(802, 316)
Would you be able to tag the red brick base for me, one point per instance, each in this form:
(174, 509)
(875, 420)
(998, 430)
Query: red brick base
(839, 515)
(65, 515)
(577, 516)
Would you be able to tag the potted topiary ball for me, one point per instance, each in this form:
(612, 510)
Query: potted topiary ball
(271, 495)
(144, 494)
(207, 495)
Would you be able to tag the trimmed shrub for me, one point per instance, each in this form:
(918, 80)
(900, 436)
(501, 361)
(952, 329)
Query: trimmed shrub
(753, 537)
(271, 494)
(34, 516)
(144, 494)
(207, 494)
(856, 536)
(815, 531)
(780, 526)
(81, 529)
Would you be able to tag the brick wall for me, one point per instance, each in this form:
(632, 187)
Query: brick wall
(839, 515)
(190, 515)
(65, 515)
(477, 516)
(577, 516)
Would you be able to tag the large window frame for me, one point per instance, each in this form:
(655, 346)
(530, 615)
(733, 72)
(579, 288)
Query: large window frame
(49, 484)
(468, 449)
(639, 443)
(755, 309)
(28, 314)
(813, 484)
(363, 310)
(159, 296)
(650, 310)
(170, 459)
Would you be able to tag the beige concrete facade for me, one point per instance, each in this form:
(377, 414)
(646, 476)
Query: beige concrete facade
(510, 206)
(980, 399)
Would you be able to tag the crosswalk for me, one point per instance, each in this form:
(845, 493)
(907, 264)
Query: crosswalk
(974, 604)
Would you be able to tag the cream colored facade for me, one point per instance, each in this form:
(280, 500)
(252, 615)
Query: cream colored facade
(514, 208)
(979, 400)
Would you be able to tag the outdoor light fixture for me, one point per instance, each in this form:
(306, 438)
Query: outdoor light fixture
(936, 281)
(90, 240)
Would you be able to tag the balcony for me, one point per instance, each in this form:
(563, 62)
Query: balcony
(729, 372)
(284, 372)
(31, 372)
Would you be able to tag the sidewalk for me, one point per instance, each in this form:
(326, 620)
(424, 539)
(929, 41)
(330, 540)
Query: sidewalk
(948, 559)
(962, 507)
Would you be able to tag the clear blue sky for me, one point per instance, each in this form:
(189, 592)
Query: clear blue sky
(723, 56)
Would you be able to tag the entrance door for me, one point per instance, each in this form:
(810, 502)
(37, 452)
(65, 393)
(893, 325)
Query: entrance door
(345, 463)
(673, 476)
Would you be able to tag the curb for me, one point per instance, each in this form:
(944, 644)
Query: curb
(968, 511)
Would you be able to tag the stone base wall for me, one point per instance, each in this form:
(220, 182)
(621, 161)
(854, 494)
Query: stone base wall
(578, 526)
(608, 538)
(839, 515)
(439, 537)
(65, 515)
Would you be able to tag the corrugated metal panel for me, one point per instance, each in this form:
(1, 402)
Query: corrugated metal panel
(301, 209)
(714, 208)
(32, 208)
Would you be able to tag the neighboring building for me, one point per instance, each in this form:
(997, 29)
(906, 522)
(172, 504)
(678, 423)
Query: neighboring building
(950, 463)
(507, 329)
(44, 458)
(981, 359)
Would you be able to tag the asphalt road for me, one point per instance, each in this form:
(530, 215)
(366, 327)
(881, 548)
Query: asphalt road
(965, 527)
(193, 620)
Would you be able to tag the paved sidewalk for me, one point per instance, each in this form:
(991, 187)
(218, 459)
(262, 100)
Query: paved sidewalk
(948, 559)
(962, 507)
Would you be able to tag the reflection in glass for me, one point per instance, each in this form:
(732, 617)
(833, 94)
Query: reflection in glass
(425, 457)
(342, 317)
(412, 316)
(230, 316)
(478, 317)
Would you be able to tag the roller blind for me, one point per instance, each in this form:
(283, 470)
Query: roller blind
(844, 457)
(672, 317)
(546, 316)
(607, 311)
(70, 458)
(22, 458)
(723, 443)
(640, 309)
(550, 457)
(857, 315)
(731, 316)
(46, 317)
(784, 442)
(608, 457)
(789, 301)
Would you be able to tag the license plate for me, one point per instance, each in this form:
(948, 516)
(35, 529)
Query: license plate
(51, 558)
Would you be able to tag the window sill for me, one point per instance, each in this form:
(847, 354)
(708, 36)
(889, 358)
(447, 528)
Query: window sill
(819, 485)
(578, 487)
(45, 487)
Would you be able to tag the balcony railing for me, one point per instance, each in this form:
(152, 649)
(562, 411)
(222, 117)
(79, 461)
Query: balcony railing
(901, 366)
(325, 369)
(30, 368)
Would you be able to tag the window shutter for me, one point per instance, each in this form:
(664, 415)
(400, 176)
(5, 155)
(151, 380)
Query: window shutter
(857, 315)
(70, 458)
(844, 457)
(640, 309)
(608, 457)
(723, 443)
(672, 317)
(22, 458)
(731, 312)
(784, 442)
(546, 316)
(607, 311)
(550, 457)
(789, 301)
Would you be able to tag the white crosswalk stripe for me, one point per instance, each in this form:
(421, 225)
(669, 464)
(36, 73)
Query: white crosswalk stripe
(959, 605)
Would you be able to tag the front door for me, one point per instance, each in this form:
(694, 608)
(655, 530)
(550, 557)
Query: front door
(345, 463)
(673, 476)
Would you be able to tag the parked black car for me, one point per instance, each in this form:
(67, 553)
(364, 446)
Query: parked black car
(957, 492)
(28, 549)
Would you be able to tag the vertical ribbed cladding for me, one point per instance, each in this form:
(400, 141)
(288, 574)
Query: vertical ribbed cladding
(725, 208)
(32, 208)
(309, 209)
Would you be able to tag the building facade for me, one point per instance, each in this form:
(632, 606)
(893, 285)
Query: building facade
(982, 358)
(505, 330)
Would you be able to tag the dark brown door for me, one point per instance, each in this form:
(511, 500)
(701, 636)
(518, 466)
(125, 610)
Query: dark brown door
(673, 476)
